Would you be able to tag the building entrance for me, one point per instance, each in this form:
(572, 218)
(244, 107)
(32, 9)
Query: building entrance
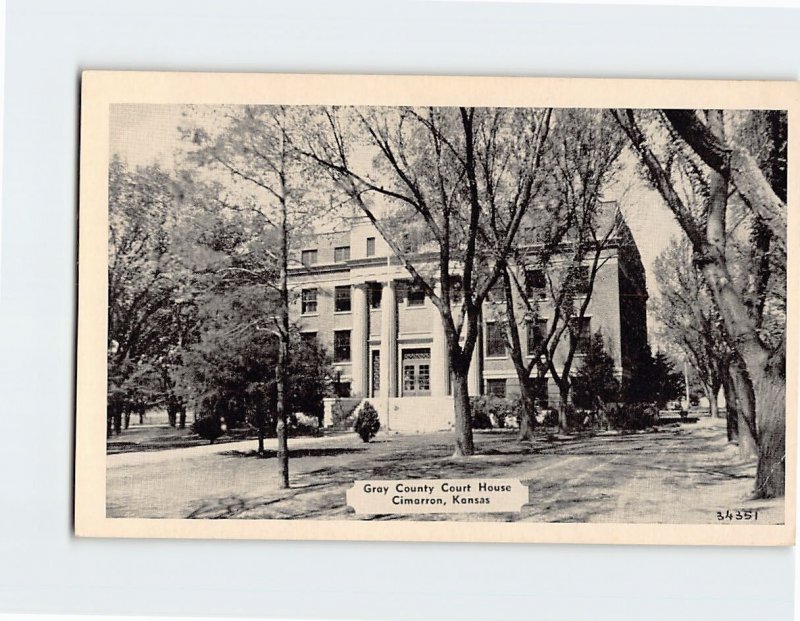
(416, 372)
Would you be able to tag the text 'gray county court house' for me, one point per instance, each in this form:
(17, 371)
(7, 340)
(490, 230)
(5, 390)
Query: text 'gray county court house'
(387, 341)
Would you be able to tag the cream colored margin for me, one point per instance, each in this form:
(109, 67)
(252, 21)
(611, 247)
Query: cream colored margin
(99, 89)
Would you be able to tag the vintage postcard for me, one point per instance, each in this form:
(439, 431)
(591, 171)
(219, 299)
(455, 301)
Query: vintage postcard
(437, 309)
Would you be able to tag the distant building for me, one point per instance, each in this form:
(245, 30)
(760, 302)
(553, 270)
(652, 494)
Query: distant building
(387, 341)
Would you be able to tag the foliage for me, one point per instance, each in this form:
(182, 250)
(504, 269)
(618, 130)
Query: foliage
(595, 382)
(653, 380)
(231, 369)
(550, 419)
(490, 412)
(367, 423)
(208, 427)
(631, 416)
(150, 305)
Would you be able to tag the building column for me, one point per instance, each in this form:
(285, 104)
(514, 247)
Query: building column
(388, 371)
(439, 364)
(358, 341)
(474, 375)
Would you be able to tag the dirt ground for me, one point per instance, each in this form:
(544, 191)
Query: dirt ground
(680, 475)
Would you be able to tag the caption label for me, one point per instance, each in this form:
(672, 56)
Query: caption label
(437, 496)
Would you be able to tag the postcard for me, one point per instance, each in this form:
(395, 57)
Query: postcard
(426, 308)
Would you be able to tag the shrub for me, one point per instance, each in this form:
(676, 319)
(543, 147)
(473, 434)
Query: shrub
(489, 411)
(632, 416)
(367, 423)
(208, 428)
(550, 418)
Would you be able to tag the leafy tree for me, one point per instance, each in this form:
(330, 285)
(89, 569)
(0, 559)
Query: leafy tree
(149, 304)
(260, 176)
(231, 371)
(653, 379)
(595, 382)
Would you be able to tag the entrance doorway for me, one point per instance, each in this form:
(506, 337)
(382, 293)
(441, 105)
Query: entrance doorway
(416, 372)
(375, 370)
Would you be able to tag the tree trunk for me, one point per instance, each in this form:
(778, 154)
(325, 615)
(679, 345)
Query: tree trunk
(282, 370)
(527, 420)
(731, 410)
(182, 417)
(746, 410)
(771, 471)
(713, 404)
(564, 406)
(118, 420)
(127, 418)
(465, 445)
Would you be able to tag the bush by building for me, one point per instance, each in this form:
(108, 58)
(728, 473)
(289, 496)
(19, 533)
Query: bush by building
(367, 422)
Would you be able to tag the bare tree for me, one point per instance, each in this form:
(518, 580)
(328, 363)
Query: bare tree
(723, 168)
(461, 179)
(690, 320)
(571, 230)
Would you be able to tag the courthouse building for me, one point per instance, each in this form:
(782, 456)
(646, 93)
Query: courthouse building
(387, 341)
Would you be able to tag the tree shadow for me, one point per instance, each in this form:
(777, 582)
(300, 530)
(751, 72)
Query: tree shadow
(294, 453)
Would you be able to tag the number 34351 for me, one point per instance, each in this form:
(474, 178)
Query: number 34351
(738, 515)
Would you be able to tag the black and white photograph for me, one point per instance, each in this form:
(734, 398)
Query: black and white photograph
(484, 314)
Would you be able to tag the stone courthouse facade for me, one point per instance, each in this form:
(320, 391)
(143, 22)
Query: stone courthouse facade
(386, 338)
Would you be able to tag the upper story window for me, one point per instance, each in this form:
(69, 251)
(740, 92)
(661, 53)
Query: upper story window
(456, 290)
(581, 331)
(308, 301)
(375, 294)
(308, 338)
(341, 302)
(370, 246)
(308, 257)
(579, 278)
(415, 296)
(537, 331)
(341, 346)
(497, 293)
(341, 254)
(535, 284)
(495, 340)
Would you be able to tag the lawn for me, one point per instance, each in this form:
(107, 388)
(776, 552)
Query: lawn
(680, 474)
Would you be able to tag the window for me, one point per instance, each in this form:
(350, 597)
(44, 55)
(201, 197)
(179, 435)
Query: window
(537, 330)
(496, 388)
(581, 330)
(498, 292)
(341, 346)
(341, 389)
(308, 257)
(308, 338)
(309, 301)
(456, 290)
(341, 254)
(579, 278)
(539, 386)
(375, 293)
(341, 302)
(495, 340)
(416, 296)
(370, 246)
(535, 284)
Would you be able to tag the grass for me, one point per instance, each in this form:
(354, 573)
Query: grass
(682, 474)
